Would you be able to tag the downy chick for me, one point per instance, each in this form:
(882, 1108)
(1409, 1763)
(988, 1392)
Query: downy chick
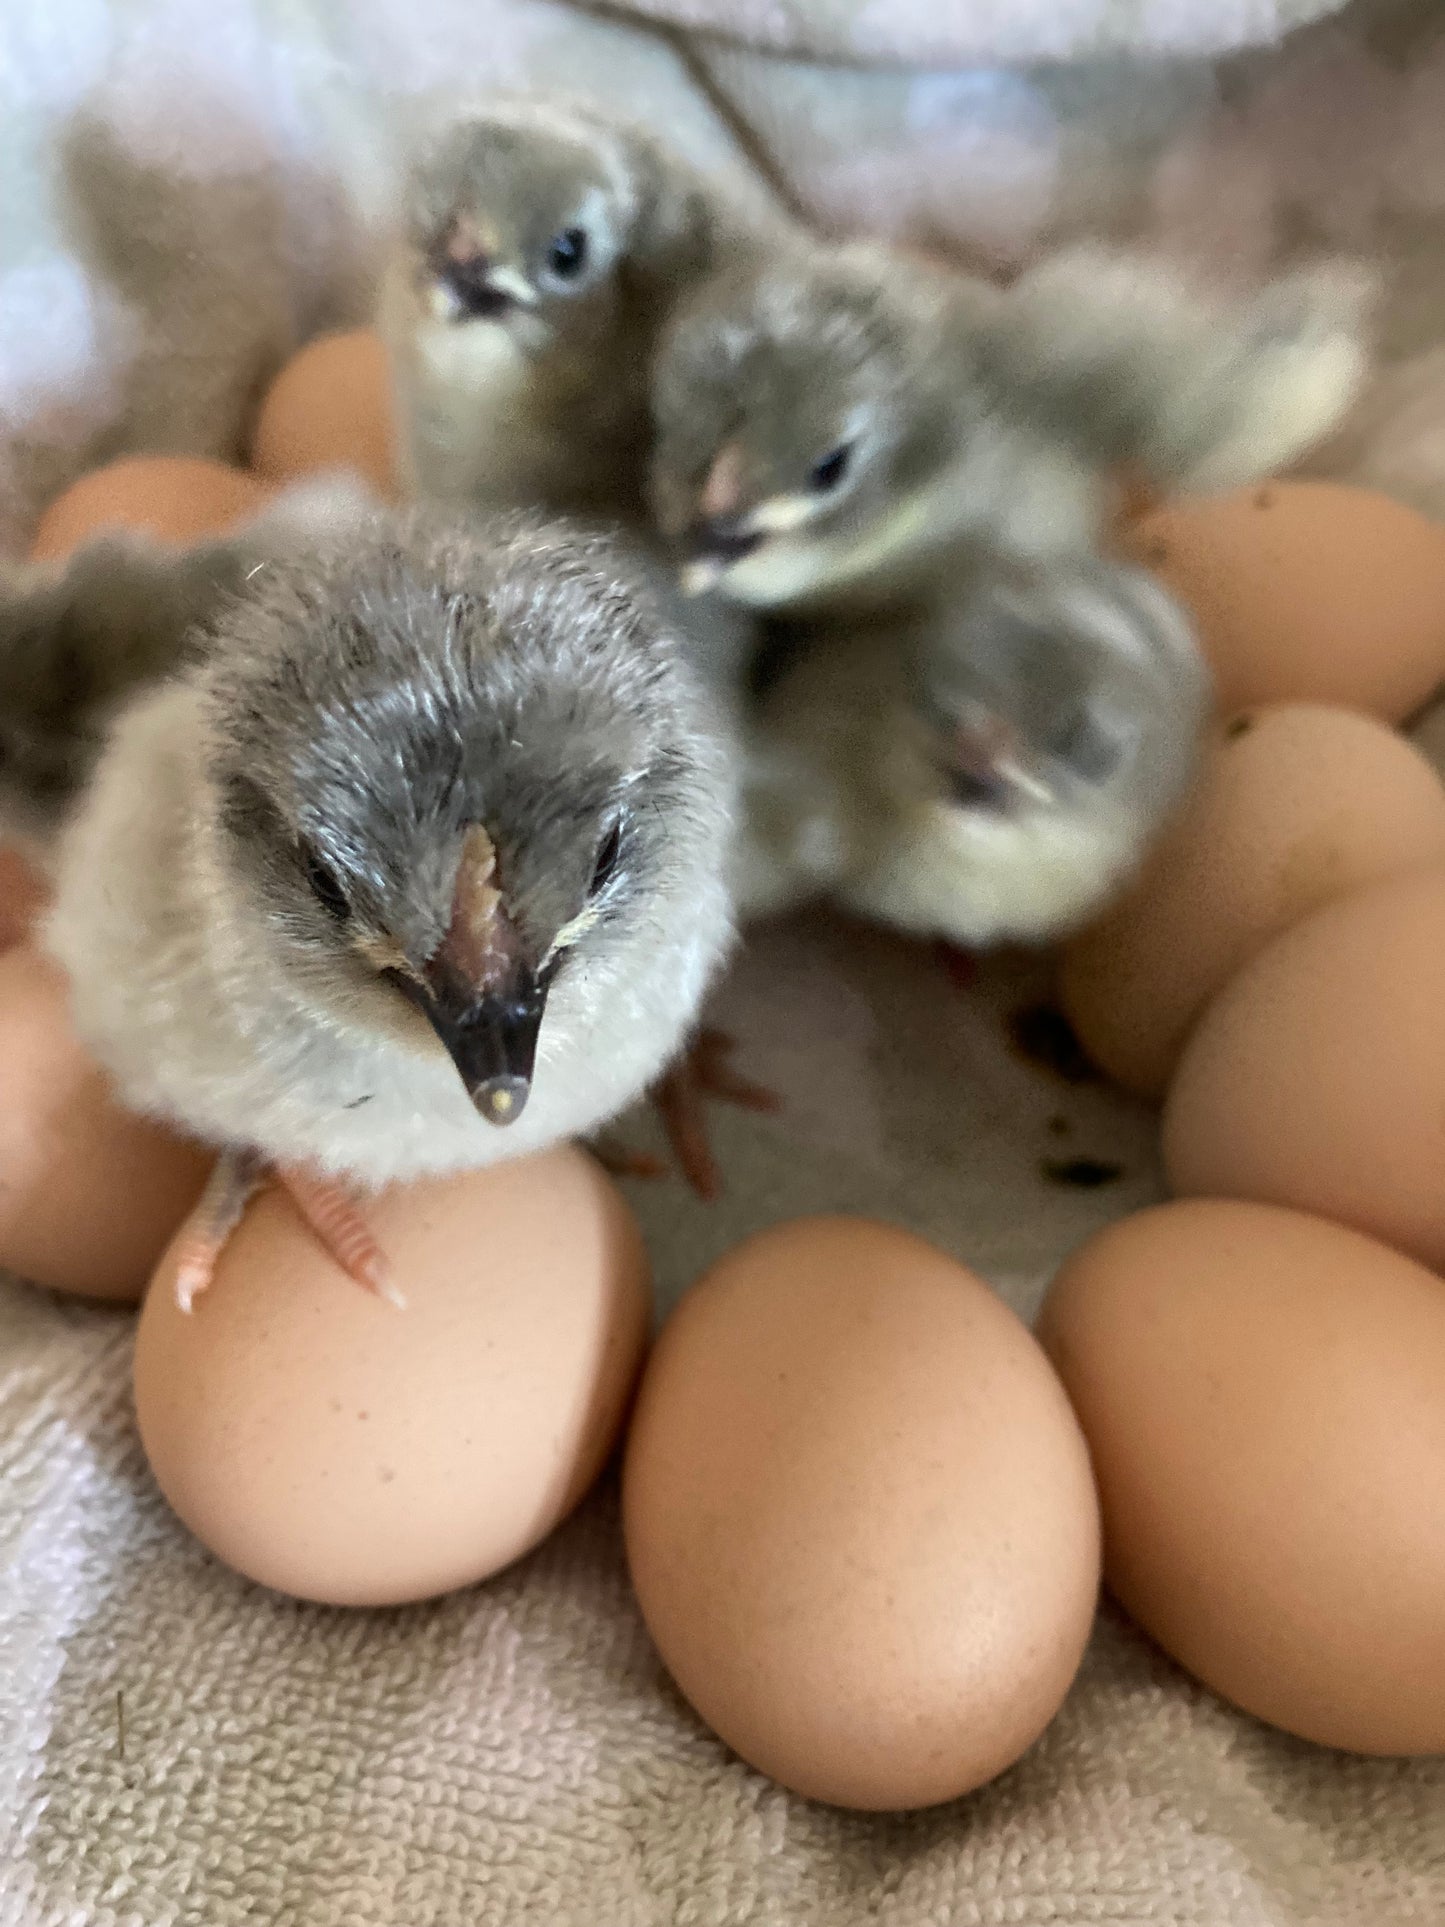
(833, 422)
(540, 248)
(987, 771)
(80, 638)
(414, 864)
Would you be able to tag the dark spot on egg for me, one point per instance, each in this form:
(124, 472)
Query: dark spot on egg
(1081, 1174)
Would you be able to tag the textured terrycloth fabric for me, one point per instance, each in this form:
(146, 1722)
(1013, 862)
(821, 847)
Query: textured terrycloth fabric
(179, 1749)
(952, 33)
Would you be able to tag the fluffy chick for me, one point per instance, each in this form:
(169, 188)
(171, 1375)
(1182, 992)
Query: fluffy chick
(540, 247)
(414, 865)
(831, 422)
(79, 638)
(987, 769)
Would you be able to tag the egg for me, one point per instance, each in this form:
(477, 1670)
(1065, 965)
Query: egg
(90, 1195)
(1295, 804)
(1316, 1078)
(859, 1516)
(1306, 592)
(326, 1444)
(23, 896)
(178, 498)
(1264, 1396)
(330, 407)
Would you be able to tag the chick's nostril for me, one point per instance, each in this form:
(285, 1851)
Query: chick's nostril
(723, 541)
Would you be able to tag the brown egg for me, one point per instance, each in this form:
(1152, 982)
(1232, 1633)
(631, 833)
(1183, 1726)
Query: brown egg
(1264, 1397)
(330, 407)
(860, 1517)
(23, 895)
(89, 1195)
(1316, 1078)
(1295, 805)
(178, 498)
(1307, 592)
(327, 1444)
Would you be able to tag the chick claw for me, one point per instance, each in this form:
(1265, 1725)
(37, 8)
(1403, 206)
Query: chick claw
(229, 1189)
(339, 1226)
(329, 1211)
(702, 1072)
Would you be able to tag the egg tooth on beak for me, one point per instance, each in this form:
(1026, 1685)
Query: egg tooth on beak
(480, 991)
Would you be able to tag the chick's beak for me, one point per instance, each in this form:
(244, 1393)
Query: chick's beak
(480, 991)
(471, 283)
(492, 1038)
(713, 547)
(722, 531)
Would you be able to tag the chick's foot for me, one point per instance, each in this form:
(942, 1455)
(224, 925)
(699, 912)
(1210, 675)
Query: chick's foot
(229, 1189)
(337, 1222)
(703, 1071)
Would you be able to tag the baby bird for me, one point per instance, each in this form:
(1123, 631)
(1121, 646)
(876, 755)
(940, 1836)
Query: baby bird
(987, 772)
(412, 863)
(832, 422)
(79, 639)
(540, 248)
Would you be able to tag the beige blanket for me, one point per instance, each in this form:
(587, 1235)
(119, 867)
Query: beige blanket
(178, 1749)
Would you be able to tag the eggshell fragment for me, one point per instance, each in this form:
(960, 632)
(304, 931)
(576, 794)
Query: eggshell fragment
(860, 1517)
(1316, 1078)
(1295, 805)
(177, 498)
(89, 1194)
(330, 407)
(1262, 1394)
(325, 1443)
(1306, 592)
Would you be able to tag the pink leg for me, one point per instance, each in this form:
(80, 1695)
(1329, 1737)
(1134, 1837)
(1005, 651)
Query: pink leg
(339, 1226)
(680, 1099)
(229, 1189)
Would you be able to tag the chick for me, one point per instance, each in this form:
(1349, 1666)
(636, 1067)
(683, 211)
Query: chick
(415, 863)
(79, 638)
(832, 422)
(540, 247)
(987, 770)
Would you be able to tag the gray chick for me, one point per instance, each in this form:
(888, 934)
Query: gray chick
(413, 864)
(79, 638)
(990, 770)
(541, 246)
(833, 421)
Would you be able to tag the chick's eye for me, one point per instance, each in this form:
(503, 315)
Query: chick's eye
(605, 867)
(326, 888)
(567, 255)
(827, 474)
